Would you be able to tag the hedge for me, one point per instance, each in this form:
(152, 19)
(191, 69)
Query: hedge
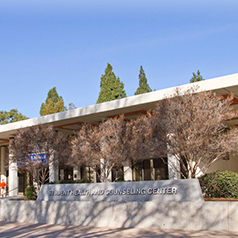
(220, 184)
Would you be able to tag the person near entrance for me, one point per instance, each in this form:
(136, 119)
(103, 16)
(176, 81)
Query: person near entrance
(3, 190)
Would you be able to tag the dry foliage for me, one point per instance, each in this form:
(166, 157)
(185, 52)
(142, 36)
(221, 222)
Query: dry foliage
(190, 126)
(33, 147)
(194, 129)
(102, 147)
(144, 139)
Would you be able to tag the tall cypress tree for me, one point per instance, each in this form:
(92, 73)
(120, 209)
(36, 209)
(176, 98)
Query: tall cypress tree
(143, 85)
(53, 103)
(111, 87)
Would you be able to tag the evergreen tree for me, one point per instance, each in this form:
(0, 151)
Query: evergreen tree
(196, 77)
(12, 116)
(143, 85)
(53, 103)
(111, 87)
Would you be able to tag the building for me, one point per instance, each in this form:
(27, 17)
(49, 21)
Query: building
(130, 107)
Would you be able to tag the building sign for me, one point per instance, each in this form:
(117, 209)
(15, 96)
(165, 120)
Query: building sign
(162, 190)
(114, 192)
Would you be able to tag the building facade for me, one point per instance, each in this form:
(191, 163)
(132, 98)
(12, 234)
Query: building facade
(131, 107)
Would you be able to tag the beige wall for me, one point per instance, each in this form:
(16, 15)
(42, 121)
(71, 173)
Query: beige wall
(231, 164)
(215, 216)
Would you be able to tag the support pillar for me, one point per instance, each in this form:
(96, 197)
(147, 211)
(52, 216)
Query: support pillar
(27, 179)
(3, 158)
(134, 173)
(104, 172)
(127, 169)
(143, 174)
(53, 169)
(173, 164)
(77, 173)
(152, 170)
(61, 174)
(13, 177)
(36, 182)
(94, 176)
(173, 167)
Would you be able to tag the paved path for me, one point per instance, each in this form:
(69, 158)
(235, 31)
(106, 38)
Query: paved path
(9, 229)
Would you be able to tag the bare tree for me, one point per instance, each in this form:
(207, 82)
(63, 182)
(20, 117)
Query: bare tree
(193, 126)
(102, 147)
(33, 146)
(144, 138)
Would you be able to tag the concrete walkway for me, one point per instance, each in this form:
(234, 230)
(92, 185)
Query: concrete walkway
(8, 229)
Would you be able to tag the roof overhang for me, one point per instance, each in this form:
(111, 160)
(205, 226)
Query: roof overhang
(70, 120)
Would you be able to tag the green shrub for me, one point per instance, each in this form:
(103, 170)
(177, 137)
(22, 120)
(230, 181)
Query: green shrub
(220, 184)
(63, 181)
(82, 181)
(30, 192)
(72, 181)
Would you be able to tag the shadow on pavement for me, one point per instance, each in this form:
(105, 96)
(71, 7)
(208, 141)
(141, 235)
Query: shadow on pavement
(9, 229)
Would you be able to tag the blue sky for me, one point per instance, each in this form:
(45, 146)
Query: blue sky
(67, 44)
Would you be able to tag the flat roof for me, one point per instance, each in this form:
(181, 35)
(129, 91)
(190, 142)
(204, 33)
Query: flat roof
(71, 120)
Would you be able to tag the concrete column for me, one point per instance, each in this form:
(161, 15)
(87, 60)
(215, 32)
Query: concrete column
(94, 176)
(77, 173)
(53, 168)
(105, 171)
(13, 177)
(61, 174)
(88, 173)
(143, 175)
(3, 158)
(27, 179)
(127, 169)
(36, 182)
(173, 167)
(134, 173)
(152, 170)
(102, 167)
(173, 164)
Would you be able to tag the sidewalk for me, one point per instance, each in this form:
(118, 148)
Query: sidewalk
(8, 229)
